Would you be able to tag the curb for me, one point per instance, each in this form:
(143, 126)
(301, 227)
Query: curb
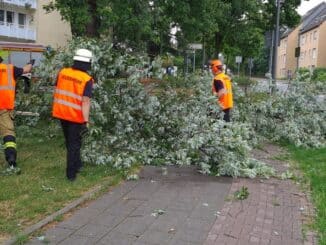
(51, 217)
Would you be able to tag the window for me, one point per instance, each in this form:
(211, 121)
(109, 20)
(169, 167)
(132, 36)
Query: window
(284, 59)
(314, 55)
(21, 20)
(2, 16)
(310, 36)
(303, 38)
(10, 17)
(315, 35)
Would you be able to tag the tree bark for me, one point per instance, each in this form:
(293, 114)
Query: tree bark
(94, 23)
(218, 43)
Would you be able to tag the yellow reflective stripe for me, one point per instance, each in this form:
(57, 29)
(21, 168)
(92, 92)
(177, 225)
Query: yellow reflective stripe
(63, 102)
(7, 88)
(9, 76)
(67, 93)
(10, 144)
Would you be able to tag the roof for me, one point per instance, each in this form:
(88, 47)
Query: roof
(313, 18)
(30, 47)
(286, 32)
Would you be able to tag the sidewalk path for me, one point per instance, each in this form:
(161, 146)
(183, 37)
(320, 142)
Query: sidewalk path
(184, 207)
(177, 208)
(273, 214)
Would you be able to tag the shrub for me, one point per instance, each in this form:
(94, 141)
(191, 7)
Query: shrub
(319, 74)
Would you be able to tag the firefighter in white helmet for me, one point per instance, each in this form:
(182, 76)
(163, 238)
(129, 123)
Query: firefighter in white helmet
(71, 104)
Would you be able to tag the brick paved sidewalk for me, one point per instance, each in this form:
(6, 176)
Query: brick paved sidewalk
(187, 208)
(178, 208)
(273, 213)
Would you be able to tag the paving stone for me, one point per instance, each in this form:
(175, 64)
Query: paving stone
(195, 236)
(134, 226)
(108, 220)
(197, 224)
(92, 230)
(117, 238)
(182, 242)
(57, 234)
(165, 223)
(124, 208)
(156, 237)
(78, 240)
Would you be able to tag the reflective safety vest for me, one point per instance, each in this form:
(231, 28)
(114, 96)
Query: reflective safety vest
(226, 100)
(68, 95)
(7, 87)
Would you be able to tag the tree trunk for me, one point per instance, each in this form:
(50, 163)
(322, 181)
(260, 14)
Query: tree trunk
(218, 43)
(94, 23)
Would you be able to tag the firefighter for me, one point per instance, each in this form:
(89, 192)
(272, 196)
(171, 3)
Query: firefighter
(222, 88)
(8, 76)
(71, 105)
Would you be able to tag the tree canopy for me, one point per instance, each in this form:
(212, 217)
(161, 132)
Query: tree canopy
(222, 25)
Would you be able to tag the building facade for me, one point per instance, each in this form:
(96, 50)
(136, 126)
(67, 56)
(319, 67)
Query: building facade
(25, 21)
(308, 39)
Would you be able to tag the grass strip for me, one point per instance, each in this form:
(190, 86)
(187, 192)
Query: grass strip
(41, 188)
(313, 164)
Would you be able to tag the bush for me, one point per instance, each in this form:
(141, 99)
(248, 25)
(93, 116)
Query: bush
(319, 74)
(244, 82)
(303, 74)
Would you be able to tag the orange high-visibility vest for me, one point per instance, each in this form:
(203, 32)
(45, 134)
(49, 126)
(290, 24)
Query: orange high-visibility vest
(7, 87)
(68, 95)
(226, 100)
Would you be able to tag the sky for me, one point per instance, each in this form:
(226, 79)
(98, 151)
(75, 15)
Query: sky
(307, 5)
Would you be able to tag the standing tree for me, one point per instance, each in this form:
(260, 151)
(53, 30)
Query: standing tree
(222, 25)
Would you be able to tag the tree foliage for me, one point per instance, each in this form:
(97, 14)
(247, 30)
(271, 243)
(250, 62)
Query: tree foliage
(222, 25)
(175, 121)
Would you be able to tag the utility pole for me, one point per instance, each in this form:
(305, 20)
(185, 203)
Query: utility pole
(270, 61)
(276, 40)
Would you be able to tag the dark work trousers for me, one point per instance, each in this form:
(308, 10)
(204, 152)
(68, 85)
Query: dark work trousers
(73, 140)
(227, 115)
(9, 142)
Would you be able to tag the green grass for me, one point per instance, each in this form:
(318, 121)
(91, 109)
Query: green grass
(313, 163)
(42, 188)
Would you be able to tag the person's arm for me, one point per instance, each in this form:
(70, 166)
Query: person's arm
(219, 88)
(27, 68)
(20, 71)
(86, 105)
(86, 100)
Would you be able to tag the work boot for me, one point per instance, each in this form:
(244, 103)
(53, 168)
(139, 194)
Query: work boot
(10, 171)
(12, 164)
(12, 160)
(71, 174)
(79, 168)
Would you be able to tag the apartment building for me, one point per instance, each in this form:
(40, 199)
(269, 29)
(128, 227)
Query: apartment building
(25, 21)
(308, 38)
(312, 36)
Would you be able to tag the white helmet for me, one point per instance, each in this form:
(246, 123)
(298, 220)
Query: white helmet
(83, 55)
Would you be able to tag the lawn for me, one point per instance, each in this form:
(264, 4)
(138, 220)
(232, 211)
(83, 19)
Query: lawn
(41, 188)
(313, 163)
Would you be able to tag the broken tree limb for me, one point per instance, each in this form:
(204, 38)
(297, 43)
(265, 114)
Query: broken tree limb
(27, 113)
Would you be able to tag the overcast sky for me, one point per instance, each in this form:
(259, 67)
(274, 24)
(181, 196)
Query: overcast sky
(307, 5)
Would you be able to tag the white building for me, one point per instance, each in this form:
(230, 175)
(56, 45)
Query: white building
(26, 21)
